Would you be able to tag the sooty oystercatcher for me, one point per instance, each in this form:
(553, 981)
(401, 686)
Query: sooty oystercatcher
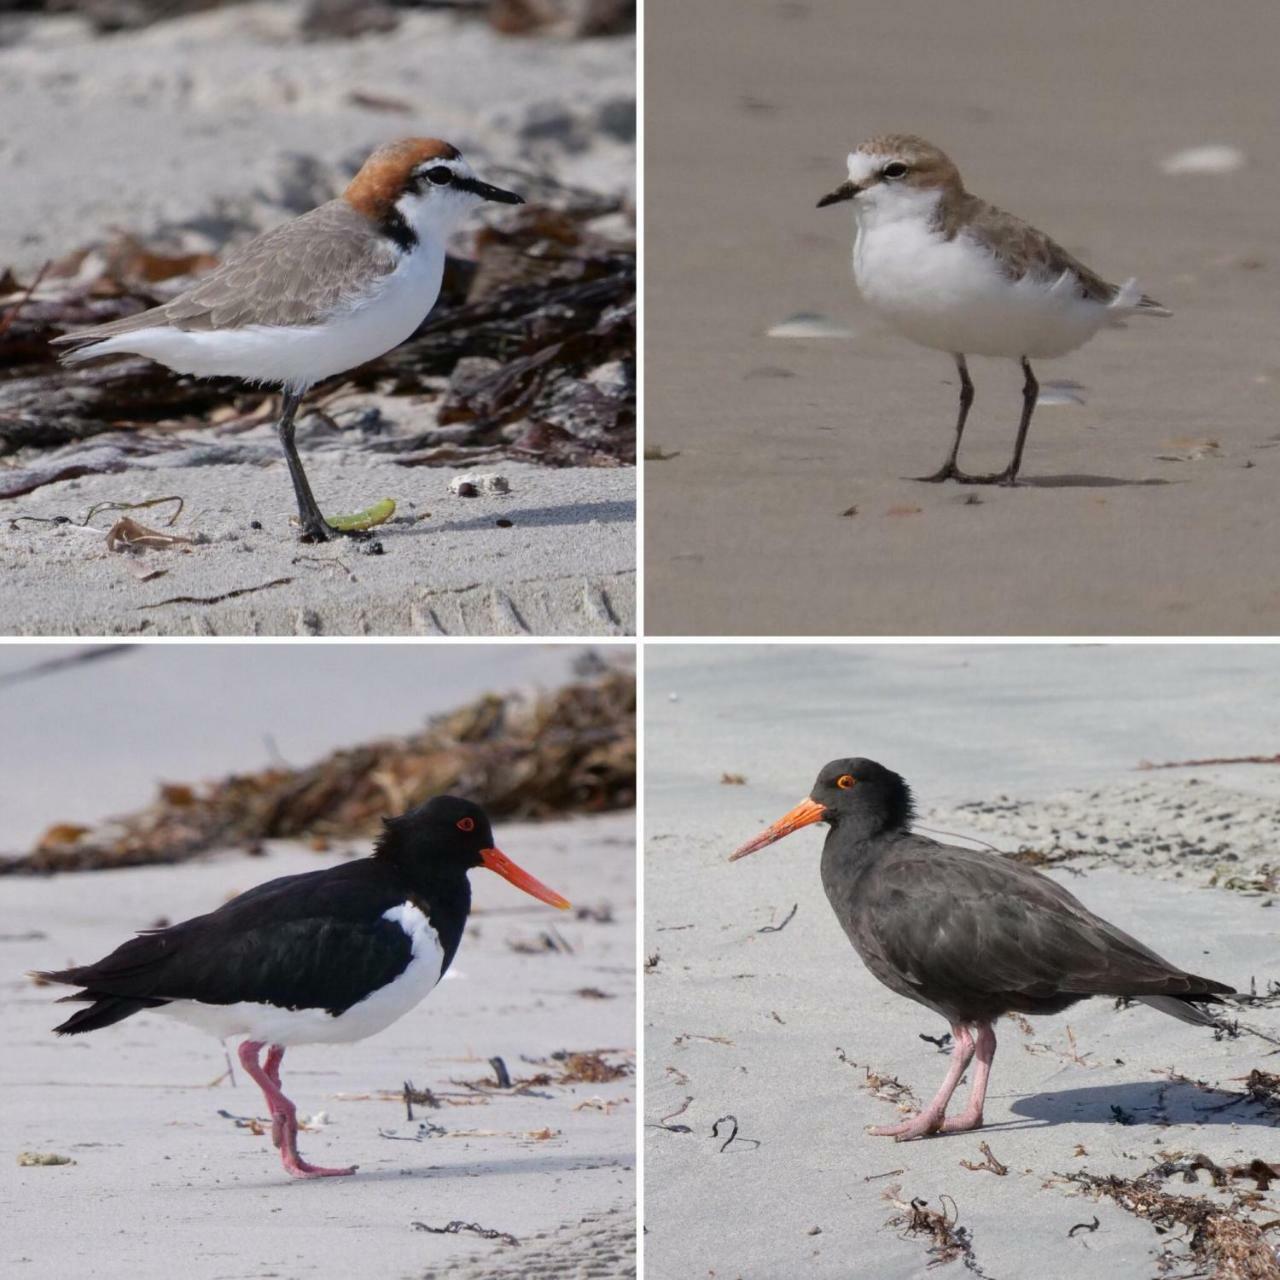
(325, 957)
(968, 935)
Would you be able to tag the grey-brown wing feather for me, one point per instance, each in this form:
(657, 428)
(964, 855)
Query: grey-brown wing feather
(289, 276)
(1025, 250)
(977, 927)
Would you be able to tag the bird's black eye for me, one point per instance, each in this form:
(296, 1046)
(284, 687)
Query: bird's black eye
(895, 169)
(466, 824)
(440, 175)
(845, 781)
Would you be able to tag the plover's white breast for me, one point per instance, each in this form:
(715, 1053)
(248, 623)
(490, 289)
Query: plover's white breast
(299, 356)
(953, 296)
(273, 1024)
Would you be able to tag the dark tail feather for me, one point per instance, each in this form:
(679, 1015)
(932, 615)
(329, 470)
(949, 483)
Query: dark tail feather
(104, 1011)
(1190, 1009)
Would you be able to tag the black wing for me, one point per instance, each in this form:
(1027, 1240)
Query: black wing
(315, 940)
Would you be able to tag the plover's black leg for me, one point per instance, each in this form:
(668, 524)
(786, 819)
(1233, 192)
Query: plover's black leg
(1009, 476)
(949, 470)
(315, 528)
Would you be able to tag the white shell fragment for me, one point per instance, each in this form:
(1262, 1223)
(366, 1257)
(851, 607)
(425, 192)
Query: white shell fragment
(1215, 158)
(1062, 392)
(474, 483)
(808, 324)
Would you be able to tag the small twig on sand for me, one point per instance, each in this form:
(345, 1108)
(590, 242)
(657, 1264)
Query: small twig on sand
(778, 928)
(1144, 765)
(950, 1239)
(989, 1162)
(733, 1133)
(1084, 1226)
(474, 1228)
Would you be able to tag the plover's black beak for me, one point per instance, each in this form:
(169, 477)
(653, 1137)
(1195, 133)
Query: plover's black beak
(488, 192)
(845, 191)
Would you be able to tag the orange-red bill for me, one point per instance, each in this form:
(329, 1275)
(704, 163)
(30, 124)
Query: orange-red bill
(498, 861)
(804, 814)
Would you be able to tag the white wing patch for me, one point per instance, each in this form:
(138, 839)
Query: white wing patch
(377, 1011)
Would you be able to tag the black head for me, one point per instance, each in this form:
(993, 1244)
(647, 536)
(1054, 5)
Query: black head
(446, 837)
(860, 794)
(864, 790)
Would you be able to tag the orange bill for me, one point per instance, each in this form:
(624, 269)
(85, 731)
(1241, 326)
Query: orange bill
(804, 814)
(498, 861)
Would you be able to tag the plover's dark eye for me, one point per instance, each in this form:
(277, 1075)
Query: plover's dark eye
(896, 169)
(466, 824)
(440, 175)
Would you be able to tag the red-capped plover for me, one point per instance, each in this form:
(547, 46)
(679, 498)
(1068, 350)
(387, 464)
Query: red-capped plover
(951, 272)
(325, 292)
(326, 957)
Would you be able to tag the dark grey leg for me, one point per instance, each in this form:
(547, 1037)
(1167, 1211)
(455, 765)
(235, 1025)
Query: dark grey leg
(1030, 391)
(315, 528)
(949, 470)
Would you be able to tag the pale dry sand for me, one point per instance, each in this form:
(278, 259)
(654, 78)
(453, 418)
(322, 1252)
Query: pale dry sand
(161, 1180)
(564, 566)
(1128, 522)
(777, 1028)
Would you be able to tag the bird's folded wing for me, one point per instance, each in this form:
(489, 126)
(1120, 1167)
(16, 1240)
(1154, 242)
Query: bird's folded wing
(989, 927)
(295, 274)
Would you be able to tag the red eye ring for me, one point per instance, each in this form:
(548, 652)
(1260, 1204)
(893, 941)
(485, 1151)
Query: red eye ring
(845, 781)
(466, 824)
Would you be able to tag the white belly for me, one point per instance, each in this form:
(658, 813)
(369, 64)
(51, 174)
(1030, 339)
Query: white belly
(298, 356)
(952, 296)
(273, 1025)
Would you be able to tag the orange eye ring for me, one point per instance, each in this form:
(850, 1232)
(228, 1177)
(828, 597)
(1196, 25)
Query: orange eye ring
(466, 824)
(845, 781)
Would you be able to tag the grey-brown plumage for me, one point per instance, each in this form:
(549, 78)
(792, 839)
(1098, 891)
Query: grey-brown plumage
(295, 274)
(968, 934)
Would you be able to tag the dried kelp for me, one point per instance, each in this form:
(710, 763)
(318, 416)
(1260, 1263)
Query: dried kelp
(1218, 1231)
(569, 751)
(529, 352)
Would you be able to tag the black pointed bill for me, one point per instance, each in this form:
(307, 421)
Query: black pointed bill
(498, 862)
(805, 814)
(845, 191)
(486, 191)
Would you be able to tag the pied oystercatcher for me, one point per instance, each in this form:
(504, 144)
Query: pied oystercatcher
(328, 956)
(965, 934)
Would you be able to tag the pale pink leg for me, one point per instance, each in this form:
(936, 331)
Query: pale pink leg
(971, 1118)
(930, 1119)
(284, 1115)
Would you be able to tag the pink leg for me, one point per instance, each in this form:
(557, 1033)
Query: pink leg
(271, 1066)
(971, 1118)
(930, 1119)
(284, 1115)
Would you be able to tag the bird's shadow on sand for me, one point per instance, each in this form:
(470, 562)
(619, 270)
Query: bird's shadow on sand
(1157, 1102)
(1087, 482)
(535, 517)
(423, 1167)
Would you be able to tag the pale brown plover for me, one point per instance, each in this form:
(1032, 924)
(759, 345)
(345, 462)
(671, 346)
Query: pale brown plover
(951, 272)
(323, 293)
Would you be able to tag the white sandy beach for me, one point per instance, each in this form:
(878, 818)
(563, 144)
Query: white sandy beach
(767, 1027)
(565, 565)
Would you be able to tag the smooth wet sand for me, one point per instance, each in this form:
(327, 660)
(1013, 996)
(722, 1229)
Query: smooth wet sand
(1063, 115)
